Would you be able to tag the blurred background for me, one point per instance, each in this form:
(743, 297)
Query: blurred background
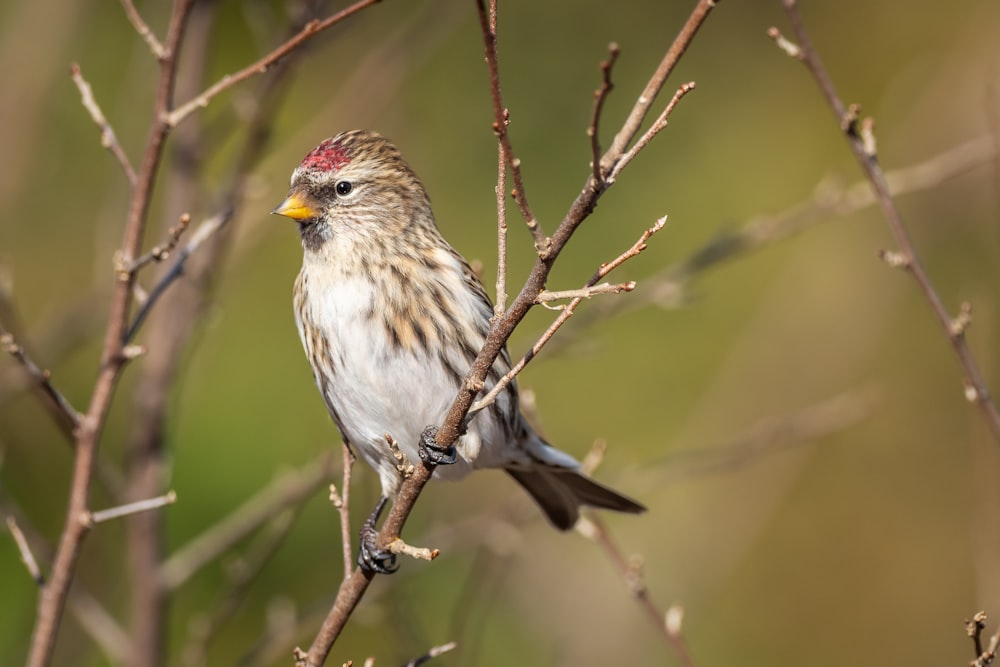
(791, 414)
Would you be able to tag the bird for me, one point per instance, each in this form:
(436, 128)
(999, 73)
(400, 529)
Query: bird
(391, 317)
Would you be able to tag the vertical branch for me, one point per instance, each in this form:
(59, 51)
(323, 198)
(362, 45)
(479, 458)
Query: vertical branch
(52, 599)
(145, 446)
(501, 120)
(500, 303)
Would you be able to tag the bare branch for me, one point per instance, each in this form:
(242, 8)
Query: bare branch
(205, 231)
(398, 546)
(583, 293)
(352, 590)
(285, 491)
(600, 95)
(630, 569)
(501, 191)
(501, 116)
(311, 29)
(108, 138)
(162, 251)
(42, 379)
(658, 125)
(143, 29)
(93, 518)
(24, 549)
(673, 55)
(862, 143)
(567, 312)
(342, 502)
(433, 653)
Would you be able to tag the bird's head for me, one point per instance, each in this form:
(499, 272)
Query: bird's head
(356, 183)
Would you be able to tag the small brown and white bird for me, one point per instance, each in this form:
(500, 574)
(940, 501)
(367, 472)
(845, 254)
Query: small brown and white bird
(391, 318)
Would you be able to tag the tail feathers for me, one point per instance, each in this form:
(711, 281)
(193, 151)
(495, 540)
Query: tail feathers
(561, 492)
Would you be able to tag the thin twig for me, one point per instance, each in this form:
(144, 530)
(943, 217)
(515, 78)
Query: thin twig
(667, 287)
(658, 125)
(583, 293)
(344, 508)
(143, 29)
(501, 121)
(240, 574)
(600, 96)
(42, 379)
(204, 232)
(668, 624)
(642, 105)
(108, 138)
(162, 251)
(861, 142)
(311, 29)
(27, 557)
(433, 653)
(287, 490)
(398, 546)
(501, 191)
(131, 508)
(567, 312)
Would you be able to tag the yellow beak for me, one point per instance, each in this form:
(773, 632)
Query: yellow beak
(298, 207)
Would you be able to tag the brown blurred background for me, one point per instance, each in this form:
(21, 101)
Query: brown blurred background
(795, 421)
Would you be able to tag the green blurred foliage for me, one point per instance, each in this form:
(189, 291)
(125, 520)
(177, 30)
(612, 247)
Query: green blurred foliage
(867, 543)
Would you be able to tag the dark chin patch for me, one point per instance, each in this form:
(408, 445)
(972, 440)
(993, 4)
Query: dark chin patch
(313, 235)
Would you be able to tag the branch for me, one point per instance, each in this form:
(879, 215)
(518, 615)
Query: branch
(862, 143)
(311, 29)
(205, 231)
(342, 501)
(42, 379)
(93, 518)
(673, 55)
(488, 24)
(667, 288)
(352, 590)
(52, 600)
(143, 29)
(433, 653)
(974, 628)
(567, 312)
(630, 569)
(284, 492)
(658, 126)
(162, 251)
(23, 548)
(600, 95)
(108, 138)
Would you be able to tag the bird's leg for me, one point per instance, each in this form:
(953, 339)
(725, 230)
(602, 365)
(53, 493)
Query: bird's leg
(432, 453)
(371, 558)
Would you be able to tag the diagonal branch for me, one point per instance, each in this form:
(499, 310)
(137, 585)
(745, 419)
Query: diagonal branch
(42, 379)
(142, 28)
(311, 29)
(453, 424)
(108, 138)
(862, 143)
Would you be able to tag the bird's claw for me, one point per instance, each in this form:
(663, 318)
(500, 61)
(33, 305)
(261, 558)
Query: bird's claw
(432, 453)
(371, 557)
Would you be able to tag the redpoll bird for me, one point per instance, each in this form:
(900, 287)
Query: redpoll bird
(391, 318)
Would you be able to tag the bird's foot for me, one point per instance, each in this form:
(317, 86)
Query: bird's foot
(432, 453)
(371, 557)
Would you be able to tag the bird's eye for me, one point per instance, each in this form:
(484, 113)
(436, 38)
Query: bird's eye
(343, 188)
